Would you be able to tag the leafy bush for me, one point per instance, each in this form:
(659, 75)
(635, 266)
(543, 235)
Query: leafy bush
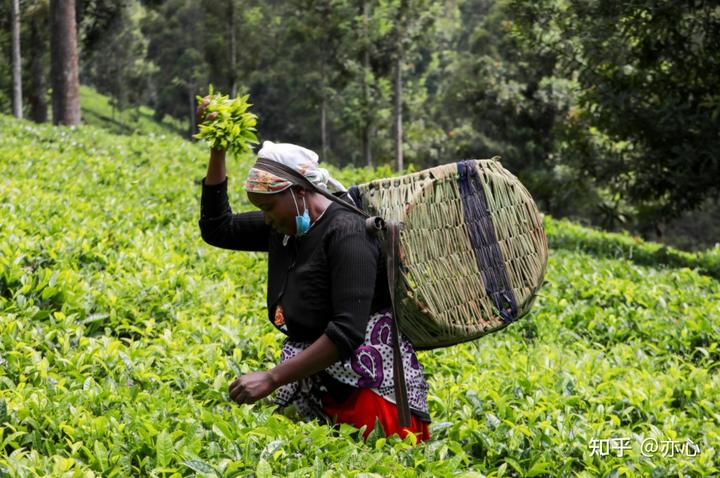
(120, 331)
(566, 235)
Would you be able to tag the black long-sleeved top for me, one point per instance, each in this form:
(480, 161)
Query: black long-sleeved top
(328, 281)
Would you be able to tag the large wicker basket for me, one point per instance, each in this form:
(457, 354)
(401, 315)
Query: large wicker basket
(473, 251)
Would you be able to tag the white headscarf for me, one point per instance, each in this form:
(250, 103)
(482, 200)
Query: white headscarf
(296, 157)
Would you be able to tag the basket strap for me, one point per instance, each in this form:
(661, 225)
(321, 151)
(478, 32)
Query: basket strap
(393, 253)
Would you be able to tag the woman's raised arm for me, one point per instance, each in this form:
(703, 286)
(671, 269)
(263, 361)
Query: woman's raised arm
(218, 225)
(216, 168)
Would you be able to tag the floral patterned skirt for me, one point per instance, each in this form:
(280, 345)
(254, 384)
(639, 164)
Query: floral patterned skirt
(369, 369)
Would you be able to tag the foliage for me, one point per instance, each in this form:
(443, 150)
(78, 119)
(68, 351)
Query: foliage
(569, 236)
(608, 111)
(175, 32)
(227, 124)
(649, 108)
(120, 331)
(116, 65)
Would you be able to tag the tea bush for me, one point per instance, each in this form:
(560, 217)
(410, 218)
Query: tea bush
(120, 330)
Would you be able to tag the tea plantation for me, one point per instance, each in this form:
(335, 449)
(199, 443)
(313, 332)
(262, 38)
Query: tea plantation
(120, 330)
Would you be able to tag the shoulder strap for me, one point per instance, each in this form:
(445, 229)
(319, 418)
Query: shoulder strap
(393, 256)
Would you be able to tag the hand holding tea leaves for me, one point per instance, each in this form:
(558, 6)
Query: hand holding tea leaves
(252, 387)
(226, 124)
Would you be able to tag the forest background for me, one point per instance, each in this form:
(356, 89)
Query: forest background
(609, 112)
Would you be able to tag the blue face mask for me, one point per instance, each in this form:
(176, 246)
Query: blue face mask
(302, 223)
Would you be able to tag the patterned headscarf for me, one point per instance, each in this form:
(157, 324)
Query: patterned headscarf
(300, 159)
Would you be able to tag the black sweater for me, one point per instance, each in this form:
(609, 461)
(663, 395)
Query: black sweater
(328, 281)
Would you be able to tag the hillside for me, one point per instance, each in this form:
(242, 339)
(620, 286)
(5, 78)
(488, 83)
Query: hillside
(97, 110)
(120, 330)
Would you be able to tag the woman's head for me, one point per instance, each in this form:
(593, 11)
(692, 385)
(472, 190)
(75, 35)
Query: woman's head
(281, 208)
(278, 198)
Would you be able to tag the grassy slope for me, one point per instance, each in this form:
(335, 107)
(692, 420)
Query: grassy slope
(120, 328)
(96, 110)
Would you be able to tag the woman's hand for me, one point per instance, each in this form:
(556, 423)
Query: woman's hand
(216, 167)
(216, 172)
(200, 111)
(252, 387)
(318, 356)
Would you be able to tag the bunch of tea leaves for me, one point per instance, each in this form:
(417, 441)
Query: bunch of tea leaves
(227, 124)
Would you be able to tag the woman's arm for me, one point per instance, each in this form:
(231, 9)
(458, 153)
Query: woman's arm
(352, 256)
(216, 168)
(218, 225)
(318, 356)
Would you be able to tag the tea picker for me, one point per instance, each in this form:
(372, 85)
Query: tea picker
(462, 246)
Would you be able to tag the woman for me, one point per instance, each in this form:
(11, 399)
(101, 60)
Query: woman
(327, 291)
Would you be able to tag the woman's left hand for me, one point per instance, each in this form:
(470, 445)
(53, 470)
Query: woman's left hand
(252, 387)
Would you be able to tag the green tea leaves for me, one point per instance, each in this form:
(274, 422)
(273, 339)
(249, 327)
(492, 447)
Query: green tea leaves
(164, 449)
(200, 466)
(227, 124)
(120, 331)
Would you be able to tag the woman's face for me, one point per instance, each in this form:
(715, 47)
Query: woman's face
(279, 209)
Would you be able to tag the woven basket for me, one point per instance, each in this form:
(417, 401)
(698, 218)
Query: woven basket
(473, 251)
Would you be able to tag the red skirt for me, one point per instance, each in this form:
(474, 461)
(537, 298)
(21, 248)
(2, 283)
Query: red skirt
(364, 405)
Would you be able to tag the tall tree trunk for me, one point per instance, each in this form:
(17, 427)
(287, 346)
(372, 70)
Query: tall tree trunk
(191, 99)
(323, 112)
(38, 97)
(64, 63)
(367, 150)
(323, 128)
(400, 31)
(398, 112)
(16, 61)
(233, 49)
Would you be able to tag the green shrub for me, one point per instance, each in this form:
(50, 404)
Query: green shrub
(120, 330)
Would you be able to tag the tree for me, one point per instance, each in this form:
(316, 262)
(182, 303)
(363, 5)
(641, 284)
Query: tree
(16, 60)
(413, 31)
(367, 127)
(117, 64)
(319, 29)
(500, 97)
(64, 63)
(36, 13)
(177, 36)
(366, 97)
(647, 120)
(232, 39)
